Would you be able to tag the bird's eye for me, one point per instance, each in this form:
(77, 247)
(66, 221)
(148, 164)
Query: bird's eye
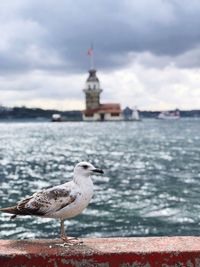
(85, 166)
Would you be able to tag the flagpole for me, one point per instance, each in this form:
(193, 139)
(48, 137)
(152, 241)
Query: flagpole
(91, 55)
(92, 61)
(92, 46)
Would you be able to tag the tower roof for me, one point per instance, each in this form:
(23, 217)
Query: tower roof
(104, 108)
(92, 76)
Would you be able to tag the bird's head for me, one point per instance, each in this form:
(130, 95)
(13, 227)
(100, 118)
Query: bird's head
(85, 169)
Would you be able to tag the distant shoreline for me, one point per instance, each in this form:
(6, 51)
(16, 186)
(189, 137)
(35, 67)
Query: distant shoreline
(42, 115)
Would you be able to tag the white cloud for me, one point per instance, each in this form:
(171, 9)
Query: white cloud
(147, 52)
(145, 87)
(153, 88)
(43, 88)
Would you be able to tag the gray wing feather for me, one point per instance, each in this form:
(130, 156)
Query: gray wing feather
(47, 201)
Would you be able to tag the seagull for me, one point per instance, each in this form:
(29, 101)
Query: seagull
(60, 202)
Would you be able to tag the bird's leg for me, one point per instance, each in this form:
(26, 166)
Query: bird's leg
(64, 237)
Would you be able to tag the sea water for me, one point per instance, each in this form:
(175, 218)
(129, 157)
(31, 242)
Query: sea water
(151, 185)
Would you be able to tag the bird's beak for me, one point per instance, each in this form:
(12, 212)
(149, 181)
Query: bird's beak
(96, 170)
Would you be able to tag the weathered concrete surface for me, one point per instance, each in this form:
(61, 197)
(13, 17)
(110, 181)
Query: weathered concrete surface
(103, 252)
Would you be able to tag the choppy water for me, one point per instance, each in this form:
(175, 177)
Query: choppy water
(151, 184)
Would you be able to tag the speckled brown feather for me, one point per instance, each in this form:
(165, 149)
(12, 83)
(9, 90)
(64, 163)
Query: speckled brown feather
(39, 203)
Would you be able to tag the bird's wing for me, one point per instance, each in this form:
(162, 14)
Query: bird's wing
(48, 201)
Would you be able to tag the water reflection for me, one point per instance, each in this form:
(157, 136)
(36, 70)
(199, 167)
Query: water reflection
(150, 186)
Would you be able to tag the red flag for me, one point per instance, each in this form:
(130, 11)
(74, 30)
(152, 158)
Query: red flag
(90, 52)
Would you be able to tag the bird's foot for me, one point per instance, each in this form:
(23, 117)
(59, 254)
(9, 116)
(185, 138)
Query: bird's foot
(71, 240)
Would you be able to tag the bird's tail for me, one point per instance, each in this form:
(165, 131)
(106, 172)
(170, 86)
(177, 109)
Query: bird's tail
(13, 210)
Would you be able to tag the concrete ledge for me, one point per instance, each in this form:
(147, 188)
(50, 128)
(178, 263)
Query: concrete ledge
(103, 252)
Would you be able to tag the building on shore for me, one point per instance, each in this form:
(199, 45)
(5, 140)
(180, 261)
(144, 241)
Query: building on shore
(95, 111)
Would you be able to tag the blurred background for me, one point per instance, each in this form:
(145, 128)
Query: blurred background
(136, 114)
(150, 186)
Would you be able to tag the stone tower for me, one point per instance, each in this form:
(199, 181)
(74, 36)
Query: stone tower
(92, 91)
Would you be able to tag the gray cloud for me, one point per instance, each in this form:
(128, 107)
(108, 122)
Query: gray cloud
(147, 51)
(55, 35)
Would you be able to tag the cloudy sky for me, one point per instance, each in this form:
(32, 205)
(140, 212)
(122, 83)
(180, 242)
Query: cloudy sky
(147, 52)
